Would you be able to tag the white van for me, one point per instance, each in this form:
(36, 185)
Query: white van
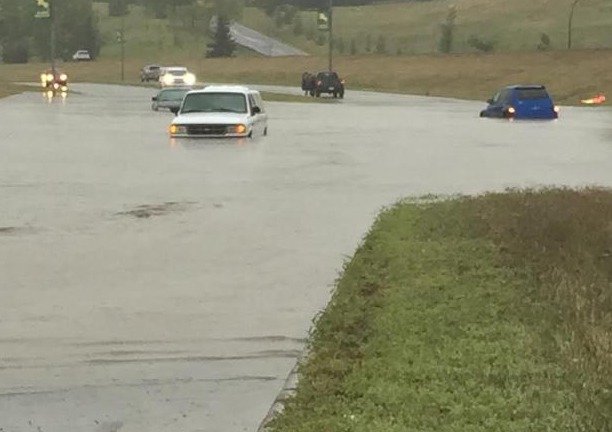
(220, 111)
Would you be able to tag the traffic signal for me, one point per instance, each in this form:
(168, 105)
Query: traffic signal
(43, 9)
(323, 20)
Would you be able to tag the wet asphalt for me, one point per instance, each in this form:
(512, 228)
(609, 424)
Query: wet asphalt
(156, 285)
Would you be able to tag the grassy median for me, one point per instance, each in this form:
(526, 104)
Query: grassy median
(414, 26)
(569, 75)
(475, 314)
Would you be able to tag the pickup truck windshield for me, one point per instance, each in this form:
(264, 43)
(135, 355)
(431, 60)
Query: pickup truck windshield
(215, 102)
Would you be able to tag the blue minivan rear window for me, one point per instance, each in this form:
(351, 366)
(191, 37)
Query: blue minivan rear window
(532, 93)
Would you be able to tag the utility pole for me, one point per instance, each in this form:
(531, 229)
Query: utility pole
(331, 35)
(569, 24)
(121, 40)
(46, 10)
(52, 11)
(325, 22)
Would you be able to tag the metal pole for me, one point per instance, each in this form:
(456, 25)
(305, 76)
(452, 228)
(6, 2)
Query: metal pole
(53, 36)
(569, 25)
(122, 48)
(331, 35)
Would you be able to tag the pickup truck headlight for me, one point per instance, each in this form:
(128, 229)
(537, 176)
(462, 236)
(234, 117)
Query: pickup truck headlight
(168, 79)
(237, 129)
(190, 79)
(177, 129)
(63, 77)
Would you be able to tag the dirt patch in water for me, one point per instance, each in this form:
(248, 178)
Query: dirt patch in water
(146, 211)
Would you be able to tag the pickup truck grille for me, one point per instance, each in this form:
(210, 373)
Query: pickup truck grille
(207, 129)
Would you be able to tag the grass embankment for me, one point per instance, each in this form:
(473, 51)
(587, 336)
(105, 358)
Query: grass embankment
(569, 75)
(414, 27)
(10, 88)
(147, 37)
(477, 314)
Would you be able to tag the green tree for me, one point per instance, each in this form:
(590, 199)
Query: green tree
(310, 33)
(448, 31)
(339, 45)
(321, 39)
(72, 34)
(117, 8)
(222, 45)
(381, 45)
(298, 25)
(157, 8)
(230, 9)
(16, 21)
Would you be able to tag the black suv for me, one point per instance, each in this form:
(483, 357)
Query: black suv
(150, 73)
(330, 83)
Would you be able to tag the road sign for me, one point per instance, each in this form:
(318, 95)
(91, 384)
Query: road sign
(323, 20)
(43, 9)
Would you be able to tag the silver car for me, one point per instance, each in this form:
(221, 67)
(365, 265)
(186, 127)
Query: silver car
(169, 98)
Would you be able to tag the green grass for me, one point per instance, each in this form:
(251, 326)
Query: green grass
(411, 27)
(476, 314)
(414, 27)
(569, 75)
(150, 39)
(8, 88)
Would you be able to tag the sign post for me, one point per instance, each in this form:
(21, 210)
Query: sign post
(121, 40)
(44, 11)
(325, 22)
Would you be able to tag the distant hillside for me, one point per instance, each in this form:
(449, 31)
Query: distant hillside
(415, 27)
(152, 39)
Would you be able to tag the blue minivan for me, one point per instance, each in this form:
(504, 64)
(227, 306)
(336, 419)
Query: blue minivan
(522, 102)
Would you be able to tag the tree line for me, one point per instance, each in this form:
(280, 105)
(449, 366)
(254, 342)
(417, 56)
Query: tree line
(23, 36)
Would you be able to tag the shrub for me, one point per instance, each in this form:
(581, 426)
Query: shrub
(279, 18)
(480, 44)
(310, 33)
(289, 14)
(16, 52)
(298, 25)
(544, 44)
(381, 45)
(448, 31)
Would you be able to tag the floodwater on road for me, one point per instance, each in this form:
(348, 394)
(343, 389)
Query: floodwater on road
(155, 285)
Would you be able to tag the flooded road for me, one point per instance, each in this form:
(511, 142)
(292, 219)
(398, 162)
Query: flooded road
(156, 285)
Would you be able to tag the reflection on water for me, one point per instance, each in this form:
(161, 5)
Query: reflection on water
(51, 96)
(196, 143)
